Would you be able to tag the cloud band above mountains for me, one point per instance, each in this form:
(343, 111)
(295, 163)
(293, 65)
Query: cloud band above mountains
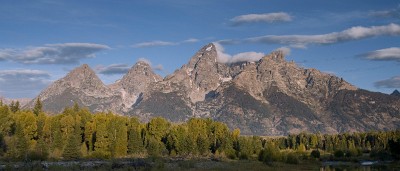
(388, 54)
(258, 18)
(353, 33)
(22, 83)
(393, 82)
(67, 53)
(163, 43)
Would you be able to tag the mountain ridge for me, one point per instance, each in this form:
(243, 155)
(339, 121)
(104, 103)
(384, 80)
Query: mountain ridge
(268, 97)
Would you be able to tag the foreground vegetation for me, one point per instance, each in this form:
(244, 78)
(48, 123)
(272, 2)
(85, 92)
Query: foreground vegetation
(31, 135)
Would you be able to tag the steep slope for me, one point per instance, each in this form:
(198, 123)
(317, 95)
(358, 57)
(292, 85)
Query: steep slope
(134, 83)
(175, 96)
(280, 98)
(268, 97)
(83, 86)
(395, 93)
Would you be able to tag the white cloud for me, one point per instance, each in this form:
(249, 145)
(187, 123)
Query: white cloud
(191, 40)
(390, 13)
(154, 43)
(23, 83)
(144, 60)
(67, 53)
(266, 18)
(240, 57)
(158, 67)
(393, 82)
(285, 50)
(113, 69)
(353, 33)
(388, 54)
(163, 43)
(228, 42)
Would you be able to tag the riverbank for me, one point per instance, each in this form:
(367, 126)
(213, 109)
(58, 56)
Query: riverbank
(178, 164)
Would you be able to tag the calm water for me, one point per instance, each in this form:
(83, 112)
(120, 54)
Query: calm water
(338, 166)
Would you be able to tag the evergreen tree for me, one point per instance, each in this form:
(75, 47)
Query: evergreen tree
(119, 139)
(73, 146)
(135, 142)
(14, 106)
(22, 145)
(103, 142)
(38, 107)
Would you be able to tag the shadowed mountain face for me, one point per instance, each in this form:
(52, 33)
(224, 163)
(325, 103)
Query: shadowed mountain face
(396, 93)
(268, 97)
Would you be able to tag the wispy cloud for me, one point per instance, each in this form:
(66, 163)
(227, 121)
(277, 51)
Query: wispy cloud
(389, 13)
(191, 40)
(113, 69)
(353, 33)
(153, 44)
(388, 54)
(393, 82)
(163, 43)
(158, 67)
(258, 18)
(23, 83)
(67, 53)
(240, 57)
(285, 50)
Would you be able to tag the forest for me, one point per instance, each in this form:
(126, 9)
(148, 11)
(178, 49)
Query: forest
(76, 133)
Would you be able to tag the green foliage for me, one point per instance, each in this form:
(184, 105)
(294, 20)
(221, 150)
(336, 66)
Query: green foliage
(72, 149)
(38, 107)
(77, 133)
(292, 158)
(315, 154)
(339, 153)
(155, 147)
(135, 140)
(270, 154)
(14, 106)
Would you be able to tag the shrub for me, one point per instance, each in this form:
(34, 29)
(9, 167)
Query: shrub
(315, 154)
(292, 159)
(338, 153)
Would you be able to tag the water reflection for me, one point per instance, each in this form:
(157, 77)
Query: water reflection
(353, 168)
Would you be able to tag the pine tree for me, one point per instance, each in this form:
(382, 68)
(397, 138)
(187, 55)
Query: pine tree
(22, 145)
(14, 106)
(72, 149)
(135, 144)
(103, 141)
(38, 107)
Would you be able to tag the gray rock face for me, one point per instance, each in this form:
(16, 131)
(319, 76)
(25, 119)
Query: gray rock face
(134, 83)
(395, 93)
(83, 86)
(269, 97)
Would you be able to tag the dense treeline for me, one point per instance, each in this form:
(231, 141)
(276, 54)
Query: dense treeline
(76, 133)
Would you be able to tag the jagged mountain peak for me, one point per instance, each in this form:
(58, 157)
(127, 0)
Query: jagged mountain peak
(135, 82)
(276, 56)
(141, 70)
(206, 55)
(396, 93)
(82, 75)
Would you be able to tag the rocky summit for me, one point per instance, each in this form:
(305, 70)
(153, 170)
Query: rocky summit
(269, 97)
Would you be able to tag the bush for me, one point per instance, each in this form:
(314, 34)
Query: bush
(338, 153)
(270, 154)
(315, 154)
(380, 155)
(292, 159)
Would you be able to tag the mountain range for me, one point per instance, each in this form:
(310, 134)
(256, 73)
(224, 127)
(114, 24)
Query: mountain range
(271, 96)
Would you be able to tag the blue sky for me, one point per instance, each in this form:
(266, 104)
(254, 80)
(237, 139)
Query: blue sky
(41, 41)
